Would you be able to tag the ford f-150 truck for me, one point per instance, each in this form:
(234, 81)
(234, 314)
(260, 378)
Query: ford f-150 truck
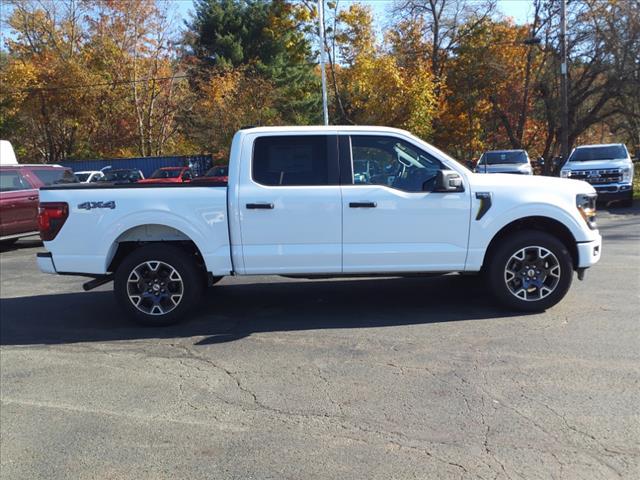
(293, 207)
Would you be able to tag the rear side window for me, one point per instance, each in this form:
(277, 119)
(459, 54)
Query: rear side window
(54, 176)
(295, 160)
(12, 181)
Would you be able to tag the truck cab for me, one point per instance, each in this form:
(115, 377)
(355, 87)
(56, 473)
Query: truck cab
(608, 167)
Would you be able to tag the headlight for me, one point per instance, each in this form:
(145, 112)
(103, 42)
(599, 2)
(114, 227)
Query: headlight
(565, 173)
(586, 204)
(627, 174)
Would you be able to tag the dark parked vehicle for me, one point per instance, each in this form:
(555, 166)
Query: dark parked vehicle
(19, 186)
(122, 175)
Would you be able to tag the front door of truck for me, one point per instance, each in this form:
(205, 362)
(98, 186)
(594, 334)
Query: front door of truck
(290, 204)
(393, 220)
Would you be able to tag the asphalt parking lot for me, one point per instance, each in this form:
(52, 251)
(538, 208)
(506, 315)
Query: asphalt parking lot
(277, 378)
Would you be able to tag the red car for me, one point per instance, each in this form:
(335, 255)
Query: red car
(218, 175)
(169, 175)
(19, 186)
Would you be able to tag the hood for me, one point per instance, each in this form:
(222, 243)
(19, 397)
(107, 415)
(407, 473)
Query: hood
(597, 164)
(537, 183)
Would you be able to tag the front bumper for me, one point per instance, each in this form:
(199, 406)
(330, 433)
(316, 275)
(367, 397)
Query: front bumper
(612, 193)
(589, 252)
(45, 262)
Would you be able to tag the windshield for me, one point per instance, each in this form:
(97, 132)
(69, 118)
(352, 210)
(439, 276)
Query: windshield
(607, 152)
(500, 158)
(82, 177)
(173, 173)
(218, 172)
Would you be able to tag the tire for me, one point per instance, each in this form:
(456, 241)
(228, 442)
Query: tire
(530, 271)
(164, 280)
(627, 202)
(8, 243)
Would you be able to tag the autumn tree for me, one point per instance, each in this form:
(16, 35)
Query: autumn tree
(45, 51)
(489, 89)
(374, 87)
(132, 44)
(446, 23)
(227, 101)
(602, 50)
(90, 79)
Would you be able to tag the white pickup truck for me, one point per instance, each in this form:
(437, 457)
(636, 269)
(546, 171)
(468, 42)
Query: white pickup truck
(322, 201)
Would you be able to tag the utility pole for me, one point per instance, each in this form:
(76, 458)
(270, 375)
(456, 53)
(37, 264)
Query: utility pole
(564, 100)
(325, 110)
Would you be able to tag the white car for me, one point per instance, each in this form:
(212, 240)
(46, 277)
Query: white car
(505, 161)
(292, 207)
(89, 176)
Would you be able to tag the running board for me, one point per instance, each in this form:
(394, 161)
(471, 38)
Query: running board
(96, 282)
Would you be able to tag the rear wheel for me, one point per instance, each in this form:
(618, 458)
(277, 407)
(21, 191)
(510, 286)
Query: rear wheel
(530, 271)
(8, 243)
(158, 284)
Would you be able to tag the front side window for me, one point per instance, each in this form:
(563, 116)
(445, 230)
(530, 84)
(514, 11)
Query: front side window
(12, 181)
(392, 162)
(293, 160)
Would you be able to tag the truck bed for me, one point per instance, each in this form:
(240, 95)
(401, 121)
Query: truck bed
(101, 216)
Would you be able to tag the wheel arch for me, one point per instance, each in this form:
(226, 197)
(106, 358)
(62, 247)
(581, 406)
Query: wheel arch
(540, 223)
(136, 236)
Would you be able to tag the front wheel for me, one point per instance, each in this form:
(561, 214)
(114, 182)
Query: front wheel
(627, 202)
(530, 271)
(158, 284)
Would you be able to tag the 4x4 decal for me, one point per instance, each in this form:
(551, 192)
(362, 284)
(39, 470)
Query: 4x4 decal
(90, 205)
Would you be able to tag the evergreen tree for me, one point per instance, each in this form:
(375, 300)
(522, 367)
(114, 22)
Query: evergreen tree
(269, 39)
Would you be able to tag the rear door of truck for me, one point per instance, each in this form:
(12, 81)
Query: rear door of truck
(290, 203)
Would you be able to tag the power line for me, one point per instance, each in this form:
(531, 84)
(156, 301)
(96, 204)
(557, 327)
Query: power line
(91, 85)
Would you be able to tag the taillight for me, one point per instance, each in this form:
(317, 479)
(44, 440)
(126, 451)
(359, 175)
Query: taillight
(51, 218)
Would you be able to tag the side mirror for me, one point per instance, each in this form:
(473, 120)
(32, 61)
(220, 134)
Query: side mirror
(448, 181)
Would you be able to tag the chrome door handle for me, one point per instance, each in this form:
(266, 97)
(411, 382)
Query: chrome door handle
(260, 206)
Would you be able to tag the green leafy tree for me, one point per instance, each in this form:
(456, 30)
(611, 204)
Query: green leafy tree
(266, 38)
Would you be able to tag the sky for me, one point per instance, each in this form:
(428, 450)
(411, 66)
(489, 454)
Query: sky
(518, 9)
